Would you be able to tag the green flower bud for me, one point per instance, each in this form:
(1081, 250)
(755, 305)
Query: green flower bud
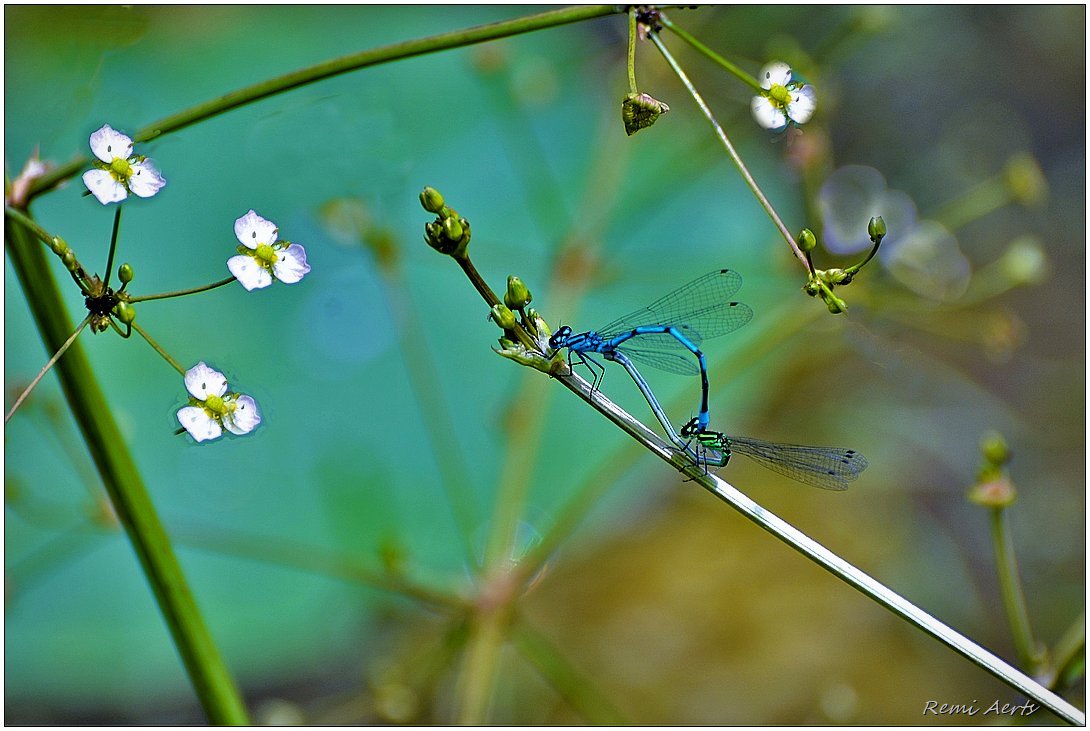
(125, 273)
(69, 259)
(1025, 180)
(125, 312)
(432, 200)
(812, 288)
(452, 229)
(876, 229)
(994, 449)
(836, 305)
(834, 277)
(806, 240)
(502, 316)
(517, 295)
(1025, 262)
(58, 245)
(640, 111)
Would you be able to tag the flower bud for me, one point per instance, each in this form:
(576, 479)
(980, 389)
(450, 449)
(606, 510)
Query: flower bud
(452, 229)
(994, 449)
(876, 229)
(1025, 180)
(806, 240)
(432, 200)
(1024, 261)
(58, 245)
(640, 111)
(517, 295)
(836, 305)
(125, 312)
(502, 316)
(125, 273)
(834, 277)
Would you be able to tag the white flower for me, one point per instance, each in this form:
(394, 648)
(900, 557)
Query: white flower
(118, 171)
(785, 101)
(262, 258)
(212, 409)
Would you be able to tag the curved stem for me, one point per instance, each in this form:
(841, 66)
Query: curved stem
(181, 292)
(335, 67)
(735, 158)
(632, 50)
(211, 680)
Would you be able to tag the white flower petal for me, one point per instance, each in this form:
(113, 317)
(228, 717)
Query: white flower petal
(249, 273)
(802, 105)
(104, 187)
(198, 423)
(252, 230)
(244, 418)
(776, 72)
(146, 180)
(767, 114)
(107, 143)
(203, 381)
(291, 264)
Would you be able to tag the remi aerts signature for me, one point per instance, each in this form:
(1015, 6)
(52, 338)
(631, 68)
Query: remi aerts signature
(996, 708)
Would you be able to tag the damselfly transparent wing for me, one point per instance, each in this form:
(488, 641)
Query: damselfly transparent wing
(830, 468)
(703, 306)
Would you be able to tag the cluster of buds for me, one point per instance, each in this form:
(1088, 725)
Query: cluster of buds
(448, 233)
(822, 281)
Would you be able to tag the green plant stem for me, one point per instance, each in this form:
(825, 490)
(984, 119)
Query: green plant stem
(335, 67)
(712, 55)
(1010, 586)
(113, 247)
(577, 689)
(632, 51)
(159, 349)
(975, 203)
(211, 680)
(181, 292)
(45, 369)
(732, 153)
(79, 276)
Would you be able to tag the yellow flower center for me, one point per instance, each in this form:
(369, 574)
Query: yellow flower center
(779, 95)
(121, 169)
(265, 254)
(215, 406)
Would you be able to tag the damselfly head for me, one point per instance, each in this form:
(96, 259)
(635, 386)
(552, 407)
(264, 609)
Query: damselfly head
(560, 337)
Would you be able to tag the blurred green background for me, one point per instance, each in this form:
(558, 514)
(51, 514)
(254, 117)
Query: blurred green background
(670, 607)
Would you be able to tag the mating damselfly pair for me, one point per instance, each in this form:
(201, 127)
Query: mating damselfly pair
(664, 334)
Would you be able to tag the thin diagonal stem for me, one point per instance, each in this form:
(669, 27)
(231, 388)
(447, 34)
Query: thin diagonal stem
(731, 152)
(159, 349)
(45, 369)
(711, 55)
(825, 558)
